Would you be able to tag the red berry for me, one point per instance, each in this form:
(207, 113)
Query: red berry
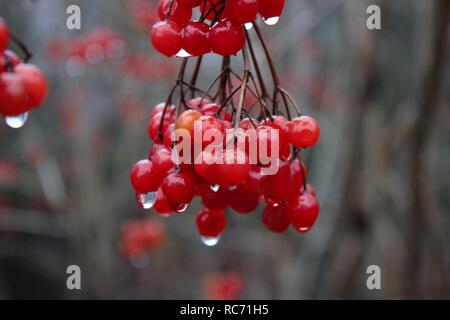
(302, 211)
(179, 188)
(190, 3)
(215, 199)
(160, 108)
(304, 132)
(186, 120)
(154, 125)
(179, 13)
(34, 81)
(270, 8)
(211, 223)
(206, 167)
(166, 37)
(227, 38)
(4, 35)
(197, 103)
(243, 203)
(167, 139)
(161, 205)
(286, 183)
(162, 163)
(255, 182)
(143, 177)
(195, 38)
(13, 95)
(274, 219)
(241, 11)
(235, 168)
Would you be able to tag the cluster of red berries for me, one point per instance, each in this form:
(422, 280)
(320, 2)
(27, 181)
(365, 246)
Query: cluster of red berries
(140, 236)
(22, 85)
(170, 187)
(177, 35)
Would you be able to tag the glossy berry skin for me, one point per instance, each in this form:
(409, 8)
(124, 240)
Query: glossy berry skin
(304, 132)
(166, 37)
(179, 188)
(270, 8)
(241, 11)
(195, 38)
(227, 38)
(154, 124)
(255, 182)
(143, 177)
(162, 163)
(235, 168)
(161, 205)
(302, 211)
(210, 126)
(190, 3)
(274, 219)
(211, 223)
(13, 95)
(215, 199)
(4, 35)
(243, 203)
(180, 13)
(286, 183)
(187, 119)
(34, 81)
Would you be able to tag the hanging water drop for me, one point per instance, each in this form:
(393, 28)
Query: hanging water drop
(271, 21)
(214, 187)
(249, 26)
(180, 208)
(210, 241)
(147, 200)
(303, 229)
(183, 54)
(18, 121)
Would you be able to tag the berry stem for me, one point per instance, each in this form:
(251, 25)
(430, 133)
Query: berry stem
(23, 47)
(243, 89)
(195, 75)
(169, 10)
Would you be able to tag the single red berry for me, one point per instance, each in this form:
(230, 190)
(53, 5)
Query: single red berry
(167, 139)
(166, 37)
(34, 81)
(179, 13)
(215, 199)
(195, 38)
(211, 223)
(241, 11)
(274, 219)
(186, 120)
(286, 183)
(154, 125)
(143, 177)
(13, 95)
(270, 8)
(161, 205)
(179, 188)
(304, 131)
(255, 182)
(235, 168)
(227, 38)
(162, 163)
(4, 35)
(243, 203)
(302, 211)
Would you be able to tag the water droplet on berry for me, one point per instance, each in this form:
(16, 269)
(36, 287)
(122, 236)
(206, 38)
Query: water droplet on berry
(210, 241)
(147, 200)
(248, 26)
(271, 21)
(214, 187)
(183, 54)
(303, 229)
(180, 208)
(16, 122)
(274, 203)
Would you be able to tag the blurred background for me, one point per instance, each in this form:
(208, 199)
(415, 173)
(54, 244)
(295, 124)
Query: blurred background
(381, 169)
